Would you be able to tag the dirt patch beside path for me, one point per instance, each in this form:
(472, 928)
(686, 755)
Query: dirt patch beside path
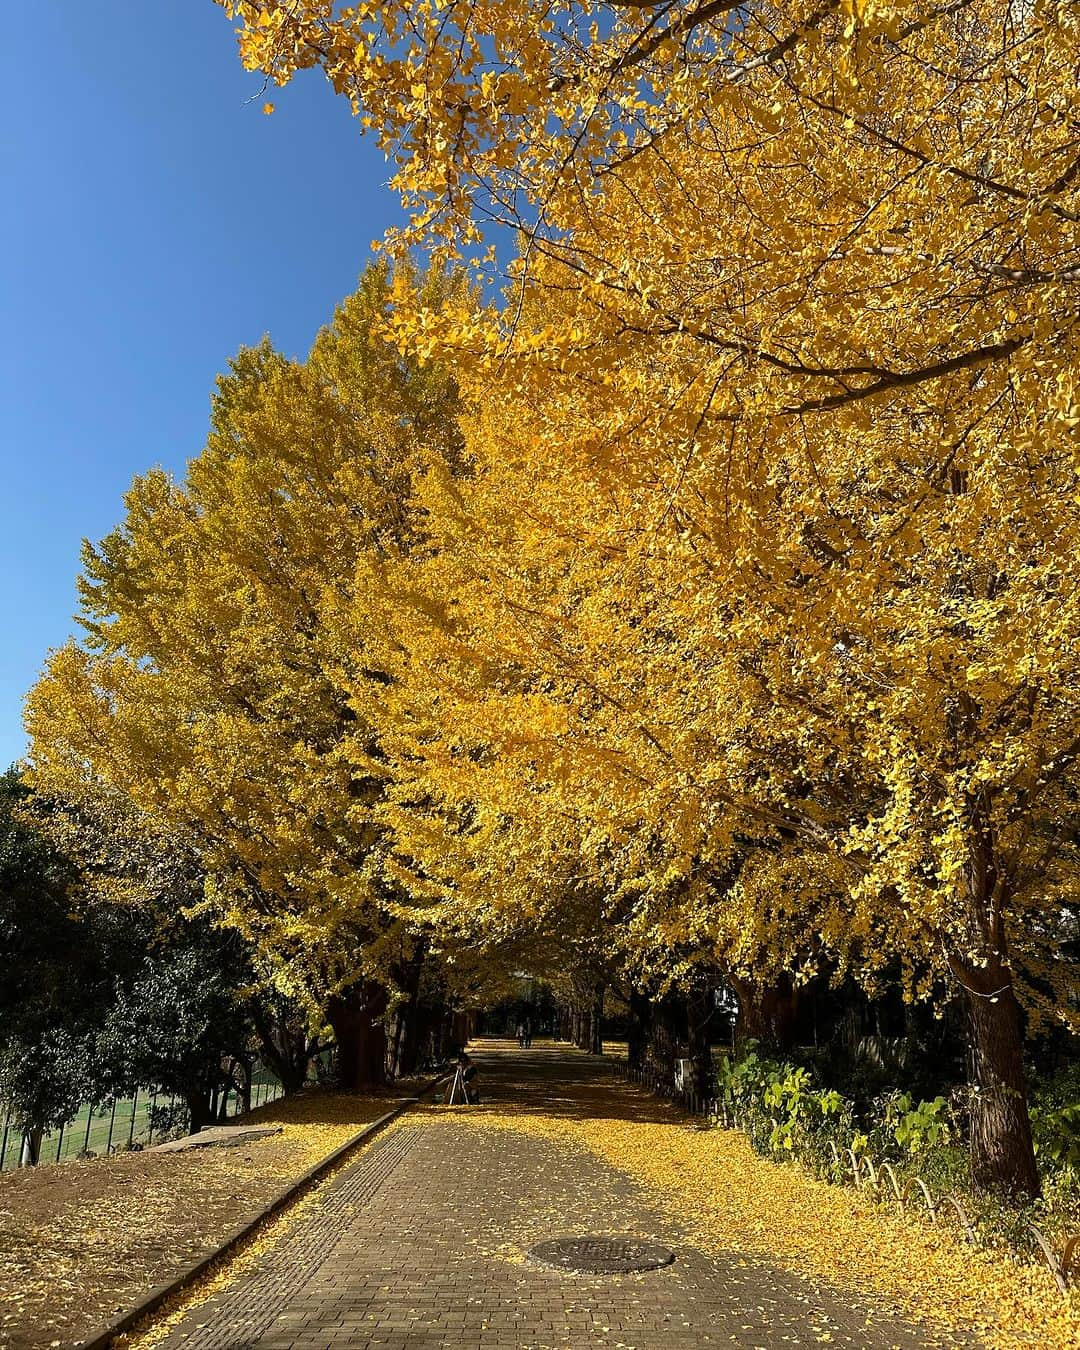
(84, 1240)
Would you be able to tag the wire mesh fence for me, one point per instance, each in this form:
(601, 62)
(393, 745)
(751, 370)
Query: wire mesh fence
(120, 1123)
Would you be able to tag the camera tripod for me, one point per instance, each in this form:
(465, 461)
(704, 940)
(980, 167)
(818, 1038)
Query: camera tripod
(458, 1091)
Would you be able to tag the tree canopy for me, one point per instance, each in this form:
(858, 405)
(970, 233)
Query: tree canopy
(709, 601)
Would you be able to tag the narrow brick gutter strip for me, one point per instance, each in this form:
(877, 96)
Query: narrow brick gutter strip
(102, 1339)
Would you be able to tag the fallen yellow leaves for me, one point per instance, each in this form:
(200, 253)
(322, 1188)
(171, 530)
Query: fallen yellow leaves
(226, 1273)
(729, 1199)
(85, 1240)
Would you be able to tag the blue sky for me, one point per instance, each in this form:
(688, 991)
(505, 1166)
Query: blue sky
(152, 221)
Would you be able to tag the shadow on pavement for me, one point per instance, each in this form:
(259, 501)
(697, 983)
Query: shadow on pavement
(559, 1081)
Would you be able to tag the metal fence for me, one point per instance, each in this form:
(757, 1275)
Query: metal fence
(120, 1123)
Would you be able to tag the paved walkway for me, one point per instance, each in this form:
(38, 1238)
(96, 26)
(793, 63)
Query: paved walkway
(420, 1245)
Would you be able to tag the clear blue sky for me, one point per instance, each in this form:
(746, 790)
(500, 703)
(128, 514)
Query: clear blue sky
(151, 222)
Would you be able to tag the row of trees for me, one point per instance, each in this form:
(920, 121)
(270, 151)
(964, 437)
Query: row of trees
(774, 524)
(708, 608)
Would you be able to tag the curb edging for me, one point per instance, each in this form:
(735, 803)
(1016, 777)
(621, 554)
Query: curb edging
(104, 1337)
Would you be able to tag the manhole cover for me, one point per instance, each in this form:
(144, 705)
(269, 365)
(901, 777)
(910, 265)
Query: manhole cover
(602, 1255)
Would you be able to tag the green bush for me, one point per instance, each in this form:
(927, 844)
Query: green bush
(917, 1126)
(786, 1112)
(1055, 1120)
(783, 1112)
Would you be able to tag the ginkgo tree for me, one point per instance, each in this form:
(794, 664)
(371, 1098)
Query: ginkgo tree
(841, 712)
(211, 691)
(794, 318)
(781, 161)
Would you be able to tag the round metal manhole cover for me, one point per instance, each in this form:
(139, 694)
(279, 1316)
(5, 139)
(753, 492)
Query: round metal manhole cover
(602, 1255)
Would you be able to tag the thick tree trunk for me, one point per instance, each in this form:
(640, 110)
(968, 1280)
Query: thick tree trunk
(222, 1103)
(665, 1032)
(293, 1074)
(395, 1044)
(30, 1153)
(404, 1033)
(200, 1108)
(409, 1053)
(462, 1030)
(355, 1017)
(596, 1020)
(700, 1007)
(284, 1046)
(403, 1043)
(766, 1011)
(1002, 1155)
(429, 1024)
(445, 1035)
(641, 1015)
(664, 1025)
(245, 1090)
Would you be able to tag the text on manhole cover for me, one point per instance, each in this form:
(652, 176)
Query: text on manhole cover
(594, 1255)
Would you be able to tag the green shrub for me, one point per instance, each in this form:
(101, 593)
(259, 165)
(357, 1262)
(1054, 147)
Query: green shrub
(787, 1113)
(917, 1127)
(1055, 1119)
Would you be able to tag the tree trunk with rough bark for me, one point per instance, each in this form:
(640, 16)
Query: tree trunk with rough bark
(766, 1011)
(596, 1020)
(700, 1009)
(641, 1017)
(667, 1034)
(356, 1019)
(30, 1153)
(293, 1074)
(245, 1066)
(445, 1036)
(463, 1029)
(1002, 1154)
(284, 1046)
(578, 1026)
(404, 1038)
(200, 1108)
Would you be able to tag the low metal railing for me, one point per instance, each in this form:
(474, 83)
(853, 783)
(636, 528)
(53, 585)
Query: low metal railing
(848, 1166)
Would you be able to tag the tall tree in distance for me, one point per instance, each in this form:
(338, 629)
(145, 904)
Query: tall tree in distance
(51, 977)
(213, 692)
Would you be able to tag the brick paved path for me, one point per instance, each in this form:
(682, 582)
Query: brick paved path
(420, 1245)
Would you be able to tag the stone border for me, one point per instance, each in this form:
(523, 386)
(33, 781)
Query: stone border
(104, 1337)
